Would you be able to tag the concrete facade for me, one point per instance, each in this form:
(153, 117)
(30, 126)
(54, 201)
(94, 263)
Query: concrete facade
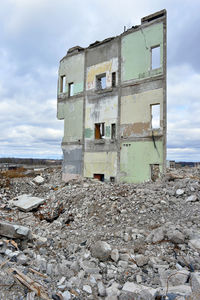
(112, 97)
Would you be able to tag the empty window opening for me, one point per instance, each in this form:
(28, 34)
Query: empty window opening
(71, 89)
(101, 82)
(100, 177)
(155, 171)
(155, 116)
(113, 131)
(99, 131)
(112, 179)
(113, 79)
(62, 84)
(155, 57)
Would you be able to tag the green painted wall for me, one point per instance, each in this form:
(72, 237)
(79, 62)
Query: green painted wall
(89, 133)
(73, 121)
(108, 131)
(136, 52)
(135, 160)
(73, 68)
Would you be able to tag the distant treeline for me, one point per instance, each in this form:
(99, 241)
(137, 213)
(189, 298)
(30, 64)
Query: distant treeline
(30, 161)
(186, 163)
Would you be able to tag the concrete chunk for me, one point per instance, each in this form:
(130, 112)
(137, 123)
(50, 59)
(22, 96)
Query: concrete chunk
(38, 179)
(139, 291)
(195, 281)
(27, 202)
(14, 231)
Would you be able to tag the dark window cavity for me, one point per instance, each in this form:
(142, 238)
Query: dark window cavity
(113, 79)
(100, 177)
(113, 131)
(112, 179)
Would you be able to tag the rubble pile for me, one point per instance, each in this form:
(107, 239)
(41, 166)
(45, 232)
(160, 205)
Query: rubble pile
(87, 239)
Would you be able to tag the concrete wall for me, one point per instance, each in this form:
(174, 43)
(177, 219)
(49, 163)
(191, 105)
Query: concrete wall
(135, 160)
(99, 111)
(136, 113)
(106, 67)
(100, 163)
(73, 123)
(127, 157)
(60, 110)
(73, 68)
(136, 52)
(72, 161)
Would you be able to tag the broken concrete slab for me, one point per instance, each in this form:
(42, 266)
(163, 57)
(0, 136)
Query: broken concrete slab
(195, 282)
(14, 231)
(38, 179)
(138, 291)
(27, 202)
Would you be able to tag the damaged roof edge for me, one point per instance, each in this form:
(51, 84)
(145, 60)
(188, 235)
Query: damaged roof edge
(154, 16)
(146, 19)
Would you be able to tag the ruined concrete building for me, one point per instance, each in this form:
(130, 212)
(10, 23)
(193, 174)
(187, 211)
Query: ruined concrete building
(112, 97)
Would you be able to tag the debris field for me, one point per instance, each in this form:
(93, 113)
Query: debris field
(88, 239)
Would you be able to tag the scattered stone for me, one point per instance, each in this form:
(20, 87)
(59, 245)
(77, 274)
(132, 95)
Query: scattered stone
(89, 267)
(66, 295)
(101, 289)
(195, 244)
(115, 255)
(175, 236)
(141, 260)
(180, 192)
(101, 250)
(87, 289)
(192, 198)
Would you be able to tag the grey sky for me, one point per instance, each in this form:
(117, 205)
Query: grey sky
(36, 34)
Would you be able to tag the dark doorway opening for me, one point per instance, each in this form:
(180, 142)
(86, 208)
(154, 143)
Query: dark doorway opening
(100, 177)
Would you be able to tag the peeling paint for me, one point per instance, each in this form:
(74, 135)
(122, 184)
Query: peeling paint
(136, 129)
(106, 67)
(89, 132)
(136, 108)
(108, 130)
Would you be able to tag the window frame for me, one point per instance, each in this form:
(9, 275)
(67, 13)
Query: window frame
(151, 111)
(63, 84)
(99, 86)
(101, 132)
(70, 89)
(152, 48)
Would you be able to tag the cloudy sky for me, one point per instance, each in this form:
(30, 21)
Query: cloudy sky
(35, 35)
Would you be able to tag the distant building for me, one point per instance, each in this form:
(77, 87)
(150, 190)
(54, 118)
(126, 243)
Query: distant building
(112, 97)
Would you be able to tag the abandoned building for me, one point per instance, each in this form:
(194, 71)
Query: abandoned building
(112, 98)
